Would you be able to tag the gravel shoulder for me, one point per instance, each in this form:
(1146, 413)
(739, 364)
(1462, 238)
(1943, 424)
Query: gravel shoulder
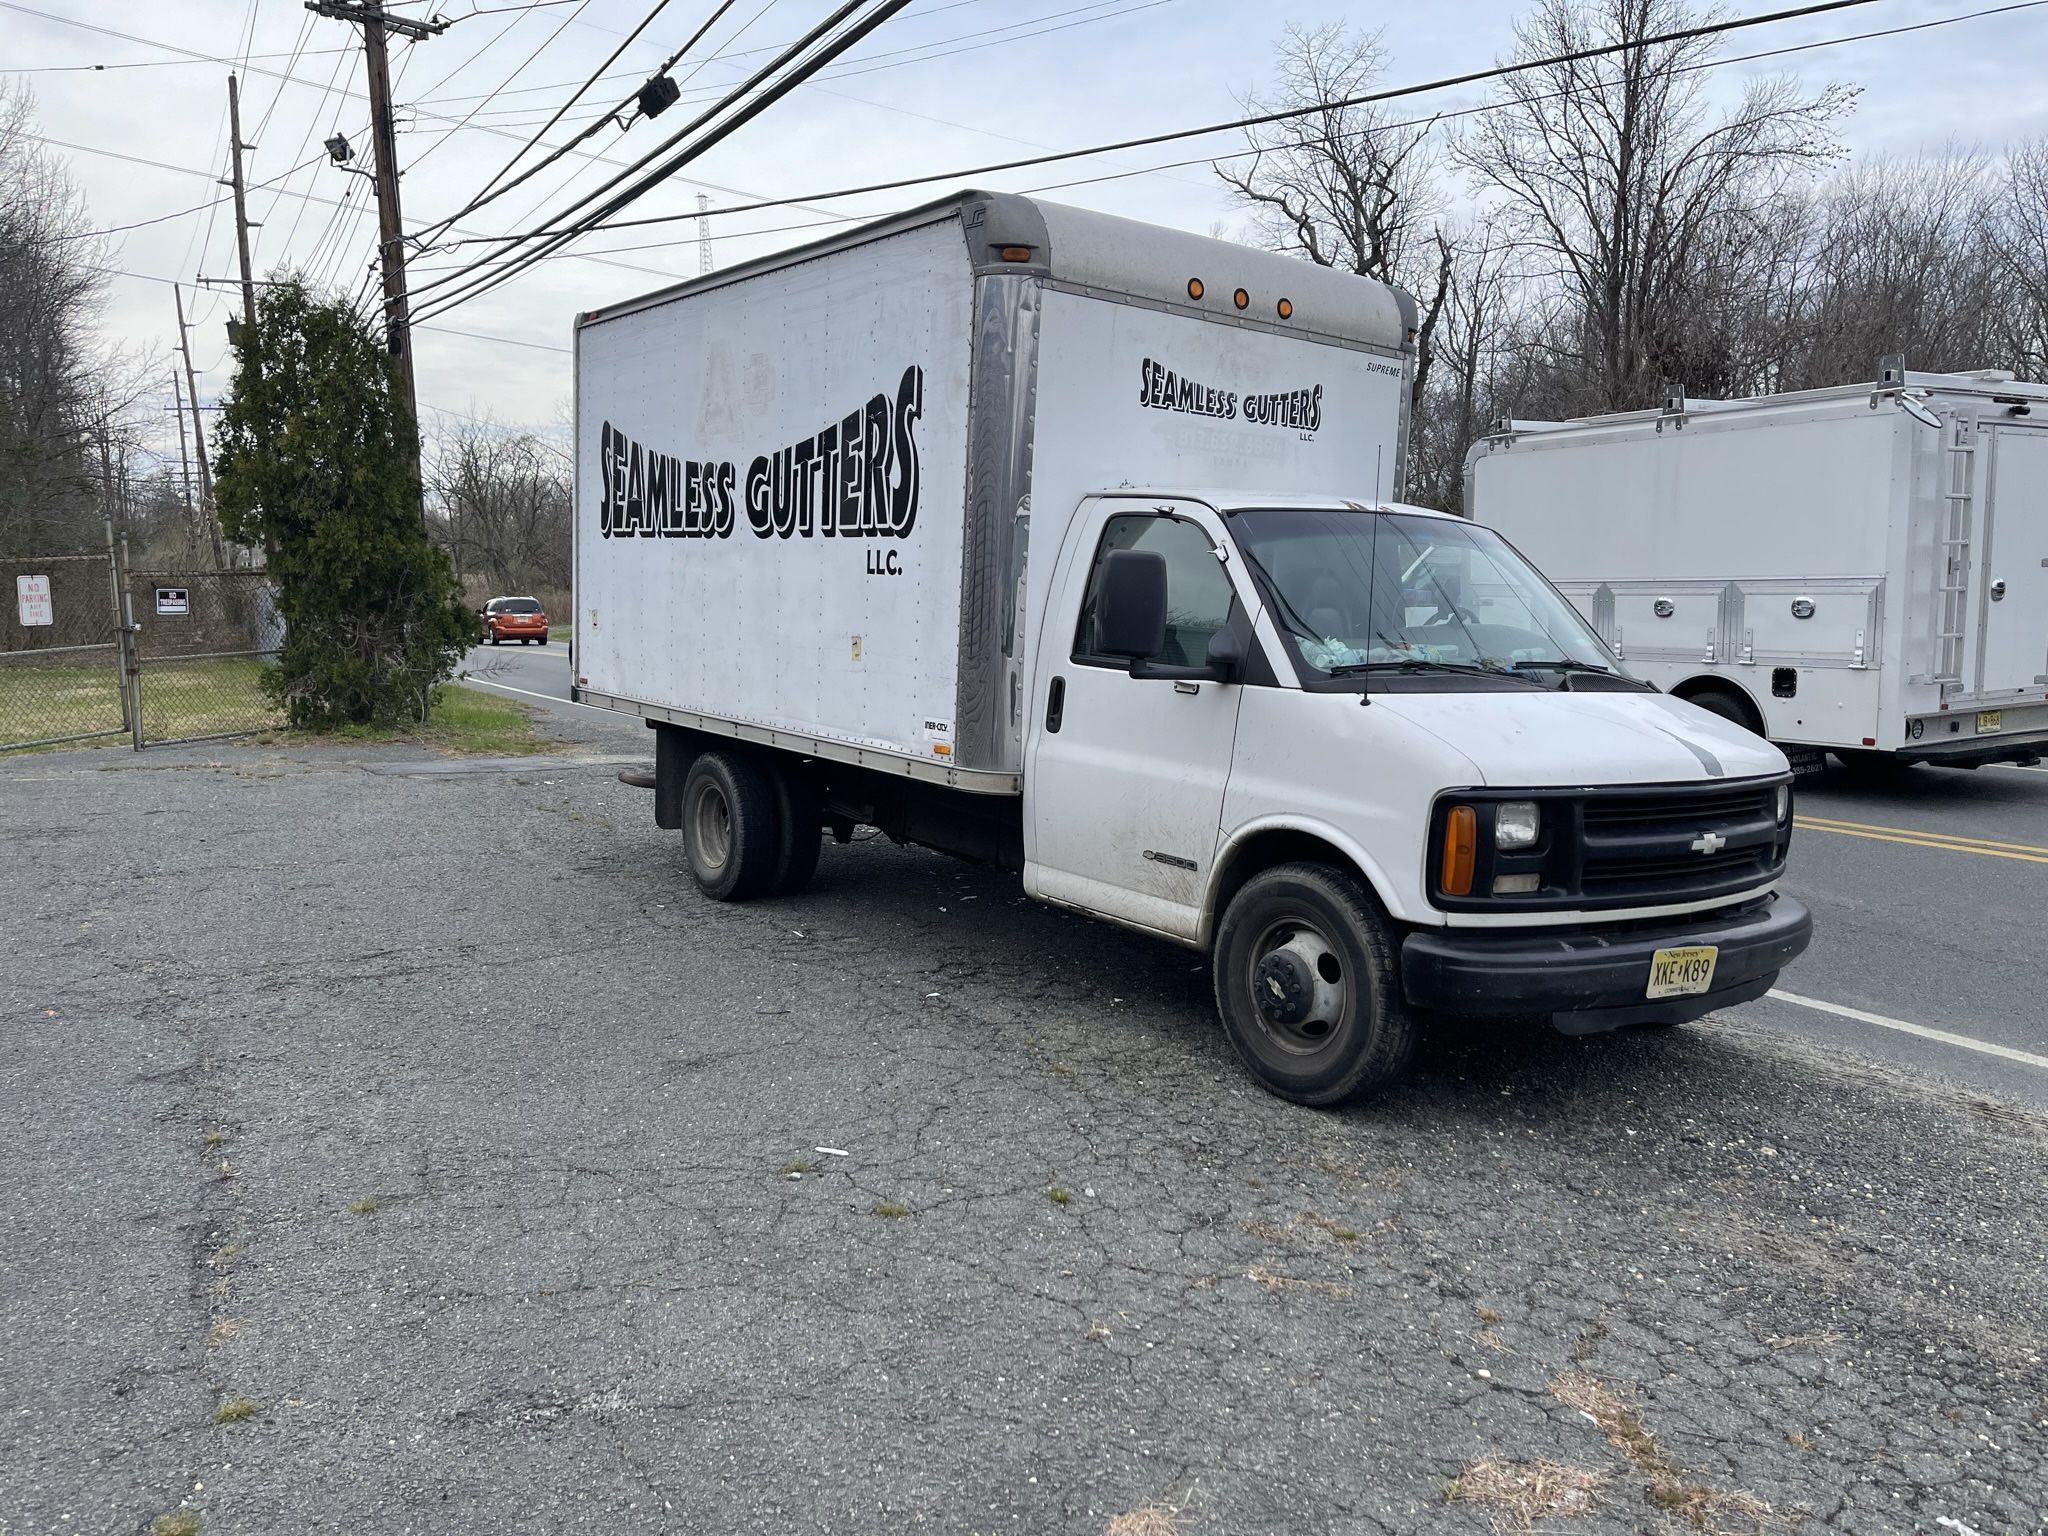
(422, 1104)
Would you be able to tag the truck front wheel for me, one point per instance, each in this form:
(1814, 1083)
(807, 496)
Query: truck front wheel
(1307, 983)
(730, 834)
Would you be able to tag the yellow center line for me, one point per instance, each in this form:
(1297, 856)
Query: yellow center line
(2031, 853)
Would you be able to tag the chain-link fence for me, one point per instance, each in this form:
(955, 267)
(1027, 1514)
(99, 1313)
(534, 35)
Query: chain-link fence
(60, 654)
(203, 642)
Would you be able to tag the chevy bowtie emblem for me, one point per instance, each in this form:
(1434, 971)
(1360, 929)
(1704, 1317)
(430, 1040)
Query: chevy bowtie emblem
(1709, 843)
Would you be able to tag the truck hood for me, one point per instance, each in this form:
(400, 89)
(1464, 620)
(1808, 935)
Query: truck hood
(1555, 740)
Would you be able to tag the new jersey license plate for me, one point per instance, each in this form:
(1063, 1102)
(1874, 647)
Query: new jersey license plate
(1989, 720)
(1683, 972)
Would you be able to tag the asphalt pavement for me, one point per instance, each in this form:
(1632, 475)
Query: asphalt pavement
(415, 1119)
(1927, 889)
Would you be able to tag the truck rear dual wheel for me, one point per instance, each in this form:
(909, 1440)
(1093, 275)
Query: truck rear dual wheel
(1307, 984)
(749, 828)
(730, 826)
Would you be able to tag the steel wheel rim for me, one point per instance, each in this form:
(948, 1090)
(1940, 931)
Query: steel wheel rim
(1331, 992)
(711, 826)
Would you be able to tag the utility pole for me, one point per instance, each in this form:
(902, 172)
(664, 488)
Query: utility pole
(376, 24)
(220, 553)
(241, 210)
(184, 458)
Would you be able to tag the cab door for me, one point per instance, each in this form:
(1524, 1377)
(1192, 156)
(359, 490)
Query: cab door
(1124, 778)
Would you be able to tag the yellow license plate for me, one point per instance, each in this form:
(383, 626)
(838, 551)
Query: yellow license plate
(1990, 720)
(1682, 972)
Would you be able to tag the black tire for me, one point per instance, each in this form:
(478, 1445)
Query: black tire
(1729, 706)
(800, 821)
(493, 639)
(729, 826)
(1313, 938)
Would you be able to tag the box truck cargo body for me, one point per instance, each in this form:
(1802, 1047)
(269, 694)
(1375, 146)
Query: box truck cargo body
(1069, 544)
(1861, 570)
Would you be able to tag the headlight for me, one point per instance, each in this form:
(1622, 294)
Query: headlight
(1784, 804)
(1516, 824)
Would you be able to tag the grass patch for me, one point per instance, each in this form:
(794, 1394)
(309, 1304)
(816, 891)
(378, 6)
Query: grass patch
(1516, 1494)
(236, 1410)
(795, 1165)
(1705, 1507)
(179, 1522)
(892, 1208)
(224, 1255)
(214, 1137)
(1152, 1520)
(559, 632)
(223, 1329)
(179, 699)
(1057, 1195)
(464, 721)
(367, 1206)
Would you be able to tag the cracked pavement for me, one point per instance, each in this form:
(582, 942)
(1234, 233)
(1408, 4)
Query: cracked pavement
(425, 1105)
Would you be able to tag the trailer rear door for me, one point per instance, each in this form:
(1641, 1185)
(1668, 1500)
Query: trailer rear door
(2012, 650)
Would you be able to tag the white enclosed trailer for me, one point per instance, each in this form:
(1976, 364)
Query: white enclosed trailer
(1065, 543)
(1862, 569)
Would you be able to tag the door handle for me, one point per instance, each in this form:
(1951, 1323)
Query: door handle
(1055, 705)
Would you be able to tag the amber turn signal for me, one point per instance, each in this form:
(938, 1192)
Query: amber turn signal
(1016, 253)
(1240, 298)
(1286, 309)
(1195, 288)
(1461, 850)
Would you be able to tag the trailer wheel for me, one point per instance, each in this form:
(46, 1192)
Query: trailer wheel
(800, 819)
(729, 826)
(1307, 984)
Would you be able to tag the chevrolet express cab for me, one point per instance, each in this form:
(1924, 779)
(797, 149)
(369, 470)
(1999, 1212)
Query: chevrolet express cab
(1066, 544)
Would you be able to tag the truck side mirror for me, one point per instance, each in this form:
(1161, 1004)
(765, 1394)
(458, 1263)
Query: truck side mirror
(1130, 606)
(1226, 655)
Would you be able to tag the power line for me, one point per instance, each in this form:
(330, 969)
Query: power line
(1471, 77)
(1559, 95)
(792, 70)
(492, 190)
(60, 69)
(581, 6)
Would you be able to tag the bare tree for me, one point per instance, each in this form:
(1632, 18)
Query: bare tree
(1629, 196)
(1902, 258)
(503, 499)
(70, 404)
(1345, 186)
(2019, 243)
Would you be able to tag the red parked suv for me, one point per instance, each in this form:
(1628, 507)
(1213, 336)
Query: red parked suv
(515, 618)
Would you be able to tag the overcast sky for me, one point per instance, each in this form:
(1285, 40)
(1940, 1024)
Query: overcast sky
(947, 84)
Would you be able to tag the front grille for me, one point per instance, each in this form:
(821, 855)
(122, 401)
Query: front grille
(1630, 847)
(1645, 845)
(1636, 812)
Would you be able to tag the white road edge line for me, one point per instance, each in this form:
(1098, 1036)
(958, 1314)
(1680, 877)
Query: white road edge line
(552, 698)
(1983, 1047)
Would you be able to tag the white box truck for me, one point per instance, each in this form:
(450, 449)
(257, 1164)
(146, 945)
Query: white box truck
(1861, 570)
(1064, 543)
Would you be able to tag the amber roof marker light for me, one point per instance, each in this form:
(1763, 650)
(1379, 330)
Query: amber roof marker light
(1195, 289)
(1016, 253)
(1286, 308)
(1241, 299)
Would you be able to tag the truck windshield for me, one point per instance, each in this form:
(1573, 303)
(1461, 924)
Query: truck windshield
(1369, 591)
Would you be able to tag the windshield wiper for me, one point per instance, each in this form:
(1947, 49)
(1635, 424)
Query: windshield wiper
(1560, 664)
(1413, 664)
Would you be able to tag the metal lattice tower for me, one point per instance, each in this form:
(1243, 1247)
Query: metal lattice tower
(703, 236)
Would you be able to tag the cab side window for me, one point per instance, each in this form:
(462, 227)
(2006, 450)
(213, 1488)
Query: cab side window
(1198, 592)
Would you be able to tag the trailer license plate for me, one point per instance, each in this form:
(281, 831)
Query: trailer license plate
(1990, 720)
(1685, 972)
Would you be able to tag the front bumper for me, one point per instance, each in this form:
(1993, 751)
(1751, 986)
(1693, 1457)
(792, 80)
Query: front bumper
(1592, 978)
